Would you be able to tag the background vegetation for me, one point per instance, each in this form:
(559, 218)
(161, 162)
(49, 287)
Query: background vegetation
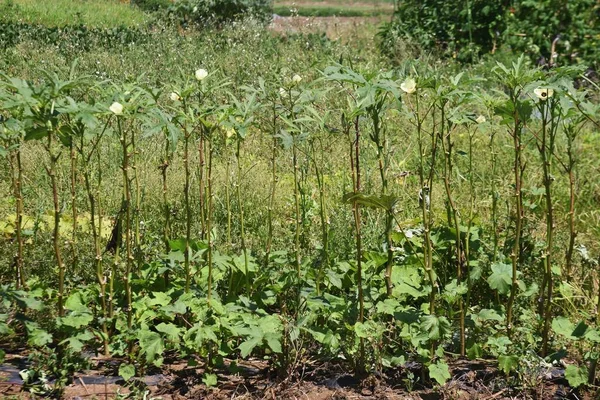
(215, 194)
(545, 30)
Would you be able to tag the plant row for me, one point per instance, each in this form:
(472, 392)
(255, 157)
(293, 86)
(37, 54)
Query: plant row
(372, 218)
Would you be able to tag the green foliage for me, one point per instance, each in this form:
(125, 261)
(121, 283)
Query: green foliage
(459, 29)
(71, 38)
(533, 26)
(501, 278)
(466, 30)
(152, 5)
(508, 363)
(344, 10)
(576, 376)
(61, 13)
(126, 371)
(219, 11)
(201, 295)
(439, 372)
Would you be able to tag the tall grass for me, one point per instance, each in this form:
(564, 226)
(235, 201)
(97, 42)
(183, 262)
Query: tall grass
(58, 13)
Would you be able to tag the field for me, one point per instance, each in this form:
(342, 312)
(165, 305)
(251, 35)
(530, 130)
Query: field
(334, 8)
(280, 211)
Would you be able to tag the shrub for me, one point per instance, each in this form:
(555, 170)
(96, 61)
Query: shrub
(534, 25)
(455, 28)
(203, 12)
(467, 29)
(152, 5)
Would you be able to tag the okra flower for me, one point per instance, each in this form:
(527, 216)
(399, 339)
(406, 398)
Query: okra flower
(296, 79)
(116, 108)
(201, 74)
(174, 96)
(409, 85)
(480, 120)
(543, 93)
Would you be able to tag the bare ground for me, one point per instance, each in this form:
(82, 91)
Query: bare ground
(253, 379)
(334, 27)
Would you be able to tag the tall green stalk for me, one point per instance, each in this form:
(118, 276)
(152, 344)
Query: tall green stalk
(471, 215)
(52, 172)
(125, 167)
(571, 132)
(322, 212)
(73, 189)
(518, 169)
(96, 232)
(137, 211)
(228, 191)
(425, 182)
(209, 195)
(446, 141)
(378, 138)
(297, 220)
(17, 185)
(166, 205)
(241, 211)
(201, 182)
(274, 148)
(494, 194)
(546, 150)
(188, 207)
(357, 226)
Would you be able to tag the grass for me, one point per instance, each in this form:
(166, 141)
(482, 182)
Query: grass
(58, 13)
(329, 11)
(338, 8)
(340, 3)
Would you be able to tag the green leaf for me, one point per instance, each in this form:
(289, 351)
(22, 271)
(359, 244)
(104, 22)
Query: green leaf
(75, 302)
(435, 327)
(368, 330)
(474, 352)
(36, 133)
(580, 330)
(453, 291)
(508, 363)
(361, 330)
(334, 279)
(383, 202)
(563, 326)
(39, 337)
(486, 314)
(210, 380)
(152, 345)
(76, 319)
(407, 280)
(171, 310)
(247, 346)
(160, 298)
(274, 341)
(388, 306)
(439, 372)
(592, 335)
(126, 371)
(171, 330)
(576, 376)
(501, 277)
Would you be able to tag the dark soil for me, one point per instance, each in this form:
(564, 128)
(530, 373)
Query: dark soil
(254, 379)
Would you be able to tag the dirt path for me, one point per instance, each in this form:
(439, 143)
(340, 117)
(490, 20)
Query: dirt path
(253, 379)
(334, 27)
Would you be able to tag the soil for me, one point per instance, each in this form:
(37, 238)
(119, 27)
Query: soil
(346, 5)
(334, 27)
(249, 380)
